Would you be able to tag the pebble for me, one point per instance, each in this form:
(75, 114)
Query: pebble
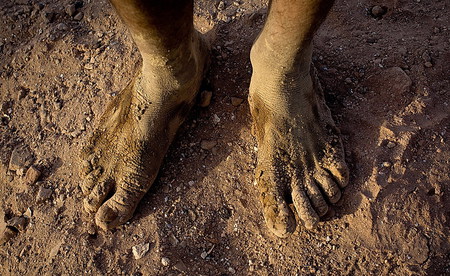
(216, 119)
(18, 223)
(78, 16)
(386, 164)
(61, 27)
(378, 11)
(21, 157)
(71, 9)
(207, 144)
(205, 98)
(348, 80)
(428, 64)
(165, 261)
(235, 101)
(140, 250)
(89, 66)
(391, 145)
(232, 270)
(31, 176)
(43, 194)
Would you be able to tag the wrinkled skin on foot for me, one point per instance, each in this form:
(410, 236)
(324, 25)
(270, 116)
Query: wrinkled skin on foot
(122, 159)
(300, 153)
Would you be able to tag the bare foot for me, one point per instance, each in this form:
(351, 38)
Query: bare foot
(123, 157)
(300, 153)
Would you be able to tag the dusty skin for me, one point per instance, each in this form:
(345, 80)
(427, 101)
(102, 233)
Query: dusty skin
(383, 67)
(301, 155)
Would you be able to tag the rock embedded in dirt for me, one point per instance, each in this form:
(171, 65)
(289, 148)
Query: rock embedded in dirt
(205, 98)
(235, 101)
(390, 145)
(32, 175)
(207, 144)
(18, 223)
(21, 157)
(71, 10)
(140, 250)
(78, 16)
(165, 261)
(43, 194)
(428, 64)
(180, 266)
(378, 11)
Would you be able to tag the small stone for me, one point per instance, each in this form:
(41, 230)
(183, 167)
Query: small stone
(391, 145)
(78, 16)
(205, 98)
(20, 171)
(328, 238)
(208, 145)
(21, 157)
(348, 80)
(32, 175)
(43, 194)
(231, 270)
(28, 213)
(61, 27)
(216, 119)
(378, 11)
(71, 9)
(18, 223)
(428, 64)
(235, 101)
(165, 261)
(6, 235)
(140, 250)
(204, 255)
(386, 164)
(55, 250)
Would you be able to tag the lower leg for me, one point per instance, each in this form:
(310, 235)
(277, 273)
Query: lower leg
(300, 152)
(123, 157)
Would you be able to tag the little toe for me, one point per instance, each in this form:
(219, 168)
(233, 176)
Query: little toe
(305, 210)
(328, 185)
(99, 193)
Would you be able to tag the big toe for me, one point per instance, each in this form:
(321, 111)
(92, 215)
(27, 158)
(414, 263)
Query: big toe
(111, 215)
(280, 220)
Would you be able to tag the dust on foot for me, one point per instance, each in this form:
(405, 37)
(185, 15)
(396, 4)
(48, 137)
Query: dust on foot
(122, 158)
(300, 153)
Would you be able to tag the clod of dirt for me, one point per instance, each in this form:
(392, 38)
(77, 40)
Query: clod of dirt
(205, 98)
(208, 145)
(140, 250)
(43, 194)
(32, 175)
(378, 11)
(21, 157)
(235, 101)
(7, 234)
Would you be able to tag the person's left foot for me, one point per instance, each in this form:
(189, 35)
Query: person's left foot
(300, 153)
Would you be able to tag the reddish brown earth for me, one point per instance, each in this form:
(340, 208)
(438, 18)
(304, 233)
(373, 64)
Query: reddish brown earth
(386, 81)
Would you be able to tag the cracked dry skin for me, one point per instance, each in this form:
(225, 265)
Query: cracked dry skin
(122, 158)
(300, 153)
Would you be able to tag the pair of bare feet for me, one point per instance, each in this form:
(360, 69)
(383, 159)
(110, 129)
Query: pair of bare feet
(300, 153)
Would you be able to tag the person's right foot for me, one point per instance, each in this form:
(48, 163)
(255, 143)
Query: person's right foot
(123, 156)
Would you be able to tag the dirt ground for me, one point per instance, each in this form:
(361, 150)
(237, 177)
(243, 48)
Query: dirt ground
(386, 75)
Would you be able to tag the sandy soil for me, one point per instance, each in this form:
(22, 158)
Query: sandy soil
(385, 72)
